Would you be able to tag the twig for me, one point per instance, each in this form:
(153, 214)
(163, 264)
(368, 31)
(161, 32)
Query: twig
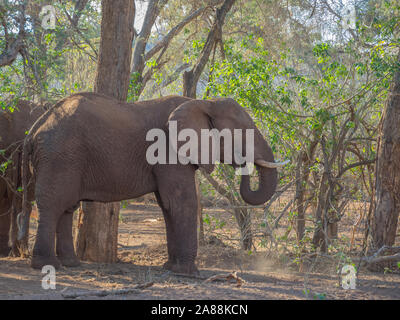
(231, 276)
(103, 293)
(378, 257)
(184, 275)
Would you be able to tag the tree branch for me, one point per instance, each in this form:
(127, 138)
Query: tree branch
(164, 42)
(11, 51)
(191, 78)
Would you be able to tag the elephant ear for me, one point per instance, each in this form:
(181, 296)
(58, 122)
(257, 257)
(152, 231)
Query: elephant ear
(195, 115)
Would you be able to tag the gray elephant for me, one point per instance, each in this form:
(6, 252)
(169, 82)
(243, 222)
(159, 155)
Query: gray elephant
(13, 126)
(90, 147)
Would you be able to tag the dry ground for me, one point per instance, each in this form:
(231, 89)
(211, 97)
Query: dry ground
(143, 250)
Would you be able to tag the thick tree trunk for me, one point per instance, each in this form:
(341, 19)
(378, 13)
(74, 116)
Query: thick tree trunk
(4, 229)
(191, 77)
(113, 69)
(97, 237)
(387, 187)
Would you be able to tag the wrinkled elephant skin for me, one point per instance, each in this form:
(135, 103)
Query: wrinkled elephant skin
(91, 147)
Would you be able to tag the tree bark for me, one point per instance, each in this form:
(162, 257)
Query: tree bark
(387, 186)
(200, 228)
(97, 237)
(4, 229)
(11, 205)
(15, 46)
(191, 77)
(152, 12)
(139, 54)
(302, 175)
(243, 219)
(113, 74)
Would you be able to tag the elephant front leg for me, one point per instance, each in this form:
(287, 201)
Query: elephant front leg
(182, 244)
(64, 241)
(179, 204)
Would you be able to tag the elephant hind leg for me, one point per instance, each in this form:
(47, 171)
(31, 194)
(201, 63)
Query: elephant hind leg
(56, 192)
(43, 250)
(64, 240)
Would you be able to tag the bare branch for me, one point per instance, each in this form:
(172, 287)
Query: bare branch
(173, 32)
(191, 78)
(152, 12)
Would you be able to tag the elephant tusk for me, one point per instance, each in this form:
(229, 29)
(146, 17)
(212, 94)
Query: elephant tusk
(272, 165)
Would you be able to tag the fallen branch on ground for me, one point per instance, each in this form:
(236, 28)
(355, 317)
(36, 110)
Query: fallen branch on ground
(103, 293)
(184, 275)
(378, 256)
(227, 277)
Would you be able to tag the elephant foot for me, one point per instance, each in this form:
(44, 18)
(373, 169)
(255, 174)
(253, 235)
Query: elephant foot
(69, 261)
(185, 268)
(38, 262)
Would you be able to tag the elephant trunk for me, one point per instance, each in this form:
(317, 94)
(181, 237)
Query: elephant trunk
(267, 178)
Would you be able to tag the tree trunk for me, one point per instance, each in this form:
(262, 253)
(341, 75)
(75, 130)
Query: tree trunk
(10, 206)
(243, 218)
(19, 248)
(302, 176)
(200, 228)
(319, 238)
(191, 77)
(387, 187)
(113, 69)
(97, 237)
(4, 228)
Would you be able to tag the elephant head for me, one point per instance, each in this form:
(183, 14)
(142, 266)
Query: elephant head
(225, 114)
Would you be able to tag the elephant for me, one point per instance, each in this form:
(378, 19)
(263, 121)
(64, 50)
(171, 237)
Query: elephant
(90, 147)
(13, 126)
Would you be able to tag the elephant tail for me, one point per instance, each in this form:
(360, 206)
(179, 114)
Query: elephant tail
(24, 216)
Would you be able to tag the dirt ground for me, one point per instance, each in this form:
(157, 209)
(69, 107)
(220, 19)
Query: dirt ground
(142, 251)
